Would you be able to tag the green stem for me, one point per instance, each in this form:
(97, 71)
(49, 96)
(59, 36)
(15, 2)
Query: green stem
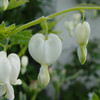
(71, 9)
(46, 34)
(22, 51)
(83, 15)
(34, 96)
(32, 23)
(37, 21)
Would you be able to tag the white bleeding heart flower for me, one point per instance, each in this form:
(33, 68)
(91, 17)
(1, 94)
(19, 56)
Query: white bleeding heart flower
(69, 26)
(46, 52)
(24, 62)
(9, 71)
(82, 32)
(76, 16)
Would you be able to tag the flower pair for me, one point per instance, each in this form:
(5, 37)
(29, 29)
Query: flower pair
(46, 52)
(9, 71)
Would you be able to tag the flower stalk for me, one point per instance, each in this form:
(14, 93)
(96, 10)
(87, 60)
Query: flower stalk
(41, 19)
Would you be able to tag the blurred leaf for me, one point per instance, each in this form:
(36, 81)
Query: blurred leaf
(16, 3)
(51, 25)
(22, 37)
(4, 31)
(95, 97)
(22, 96)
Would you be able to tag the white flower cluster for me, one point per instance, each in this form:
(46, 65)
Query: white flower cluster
(71, 24)
(9, 71)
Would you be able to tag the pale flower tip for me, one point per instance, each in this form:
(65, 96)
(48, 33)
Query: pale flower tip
(71, 34)
(82, 53)
(43, 77)
(18, 82)
(10, 92)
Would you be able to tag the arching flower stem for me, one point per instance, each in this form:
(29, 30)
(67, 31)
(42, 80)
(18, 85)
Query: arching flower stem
(41, 19)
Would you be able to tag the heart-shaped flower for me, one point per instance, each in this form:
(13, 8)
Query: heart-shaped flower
(82, 33)
(9, 71)
(46, 52)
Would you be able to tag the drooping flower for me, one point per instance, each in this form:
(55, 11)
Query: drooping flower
(24, 62)
(46, 52)
(76, 17)
(82, 33)
(69, 26)
(9, 71)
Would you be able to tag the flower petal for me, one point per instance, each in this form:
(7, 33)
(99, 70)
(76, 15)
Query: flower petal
(15, 67)
(5, 70)
(10, 92)
(45, 51)
(82, 53)
(2, 90)
(82, 33)
(43, 77)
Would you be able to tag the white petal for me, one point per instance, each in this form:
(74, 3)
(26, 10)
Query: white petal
(2, 54)
(5, 70)
(82, 53)
(52, 49)
(2, 90)
(43, 77)
(18, 82)
(15, 67)
(10, 92)
(82, 33)
(45, 51)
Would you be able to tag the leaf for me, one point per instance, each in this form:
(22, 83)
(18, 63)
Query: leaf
(16, 3)
(95, 97)
(22, 37)
(5, 30)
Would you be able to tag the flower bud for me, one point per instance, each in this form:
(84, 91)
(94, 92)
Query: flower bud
(5, 4)
(69, 25)
(82, 33)
(24, 61)
(43, 77)
(82, 53)
(77, 17)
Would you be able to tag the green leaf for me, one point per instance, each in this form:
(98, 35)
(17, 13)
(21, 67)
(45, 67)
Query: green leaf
(95, 97)
(5, 30)
(16, 3)
(22, 37)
